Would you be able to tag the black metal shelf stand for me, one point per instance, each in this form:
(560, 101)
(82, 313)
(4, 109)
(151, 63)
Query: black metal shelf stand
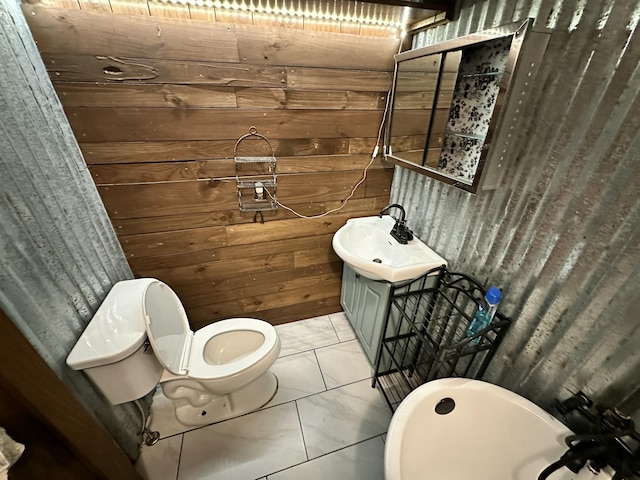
(424, 336)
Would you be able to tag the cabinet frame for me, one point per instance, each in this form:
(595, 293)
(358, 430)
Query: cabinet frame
(525, 54)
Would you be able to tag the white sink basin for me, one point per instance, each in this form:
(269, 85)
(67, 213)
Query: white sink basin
(366, 245)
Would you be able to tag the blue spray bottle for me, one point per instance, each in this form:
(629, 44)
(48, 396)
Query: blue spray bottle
(485, 313)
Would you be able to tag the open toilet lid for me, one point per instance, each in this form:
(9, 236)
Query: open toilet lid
(167, 327)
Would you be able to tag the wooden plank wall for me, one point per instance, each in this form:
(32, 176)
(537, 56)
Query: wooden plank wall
(157, 105)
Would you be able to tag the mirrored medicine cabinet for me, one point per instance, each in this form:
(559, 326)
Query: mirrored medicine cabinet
(455, 105)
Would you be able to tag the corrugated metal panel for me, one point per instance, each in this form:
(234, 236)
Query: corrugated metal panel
(60, 255)
(562, 235)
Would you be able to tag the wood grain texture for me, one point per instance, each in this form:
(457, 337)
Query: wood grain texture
(157, 105)
(120, 69)
(215, 168)
(95, 5)
(338, 79)
(146, 95)
(207, 96)
(275, 316)
(249, 306)
(146, 259)
(282, 46)
(167, 223)
(158, 36)
(157, 9)
(128, 7)
(135, 124)
(141, 152)
(94, 33)
(220, 194)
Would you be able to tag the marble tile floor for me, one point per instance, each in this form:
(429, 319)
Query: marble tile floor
(325, 421)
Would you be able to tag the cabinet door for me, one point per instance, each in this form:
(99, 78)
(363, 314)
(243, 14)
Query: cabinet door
(350, 294)
(370, 316)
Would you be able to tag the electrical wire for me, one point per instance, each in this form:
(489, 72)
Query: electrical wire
(364, 172)
(360, 182)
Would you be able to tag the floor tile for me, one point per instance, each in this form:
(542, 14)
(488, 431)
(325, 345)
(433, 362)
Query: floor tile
(363, 461)
(343, 363)
(296, 337)
(298, 376)
(343, 416)
(244, 448)
(341, 325)
(160, 461)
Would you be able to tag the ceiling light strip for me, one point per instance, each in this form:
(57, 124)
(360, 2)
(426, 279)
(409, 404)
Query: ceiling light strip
(357, 15)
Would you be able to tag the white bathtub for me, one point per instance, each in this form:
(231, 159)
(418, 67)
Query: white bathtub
(490, 434)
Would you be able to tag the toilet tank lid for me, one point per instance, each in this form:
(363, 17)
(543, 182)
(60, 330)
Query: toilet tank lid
(116, 330)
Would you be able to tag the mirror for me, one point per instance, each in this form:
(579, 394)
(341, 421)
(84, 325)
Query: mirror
(448, 103)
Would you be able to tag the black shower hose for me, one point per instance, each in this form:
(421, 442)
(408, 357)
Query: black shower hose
(557, 465)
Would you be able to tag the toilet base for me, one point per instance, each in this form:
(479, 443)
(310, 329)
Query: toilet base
(223, 407)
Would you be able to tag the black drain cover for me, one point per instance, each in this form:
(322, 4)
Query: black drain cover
(444, 406)
(377, 260)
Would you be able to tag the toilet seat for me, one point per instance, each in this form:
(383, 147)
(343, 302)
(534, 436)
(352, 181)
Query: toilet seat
(199, 368)
(181, 351)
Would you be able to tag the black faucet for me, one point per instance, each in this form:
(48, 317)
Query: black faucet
(400, 231)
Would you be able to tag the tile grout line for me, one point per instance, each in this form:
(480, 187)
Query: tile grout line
(334, 328)
(328, 316)
(310, 348)
(338, 341)
(324, 382)
(327, 454)
(306, 453)
(272, 406)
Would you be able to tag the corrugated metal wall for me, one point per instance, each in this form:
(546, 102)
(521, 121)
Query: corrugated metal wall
(562, 235)
(60, 254)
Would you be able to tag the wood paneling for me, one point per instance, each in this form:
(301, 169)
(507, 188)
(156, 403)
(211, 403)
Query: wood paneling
(323, 78)
(206, 96)
(215, 168)
(155, 124)
(134, 226)
(118, 69)
(146, 95)
(93, 33)
(129, 7)
(157, 105)
(132, 152)
(175, 198)
(283, 46)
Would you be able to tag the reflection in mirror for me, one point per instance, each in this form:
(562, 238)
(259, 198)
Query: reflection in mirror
(416, 84)
(446, 84)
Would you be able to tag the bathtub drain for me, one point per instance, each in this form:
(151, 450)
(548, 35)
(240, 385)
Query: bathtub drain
(444, 406)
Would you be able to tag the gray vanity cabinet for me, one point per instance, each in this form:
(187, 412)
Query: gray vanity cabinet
(365, 303)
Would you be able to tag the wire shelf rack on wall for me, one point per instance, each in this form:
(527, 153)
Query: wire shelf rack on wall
(256, 177)
(425, 334)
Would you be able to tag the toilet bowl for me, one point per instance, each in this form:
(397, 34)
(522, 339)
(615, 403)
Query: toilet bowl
(140, 337)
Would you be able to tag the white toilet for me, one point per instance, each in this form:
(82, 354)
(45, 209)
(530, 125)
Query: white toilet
(140, 337)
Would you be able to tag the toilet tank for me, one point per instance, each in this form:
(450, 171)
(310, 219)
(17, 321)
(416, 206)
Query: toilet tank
(113, 350)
